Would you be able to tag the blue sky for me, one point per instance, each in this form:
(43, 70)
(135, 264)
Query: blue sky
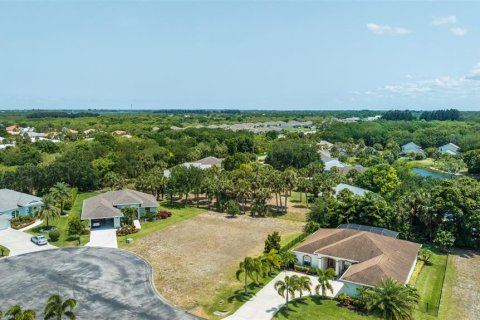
(251, 55)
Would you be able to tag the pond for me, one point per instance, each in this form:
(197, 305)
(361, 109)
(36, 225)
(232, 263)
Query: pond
(428, 173)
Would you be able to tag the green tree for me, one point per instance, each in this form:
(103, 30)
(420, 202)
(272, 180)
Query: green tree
(391, 300)
(76, 228)
(16, 313)
(304, 284)
(381, 178)
(291, 153)
(272, 242)
(444, 240)
(247, 269)
(472, 159)
(57, 309)
(48, 211)
(288, 258)
(273, 260)
(325, 278)
(231, 207)
(61, 192)
(287, 287)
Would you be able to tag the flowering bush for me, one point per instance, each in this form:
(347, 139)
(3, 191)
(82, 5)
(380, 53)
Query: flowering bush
(163, 214)
(126, 229)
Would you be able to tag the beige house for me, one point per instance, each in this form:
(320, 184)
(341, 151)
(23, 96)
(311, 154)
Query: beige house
(359, 258)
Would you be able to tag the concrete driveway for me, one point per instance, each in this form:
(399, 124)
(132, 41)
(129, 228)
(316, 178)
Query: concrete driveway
(103, 237)
(266, 303)
(107, 284)
(18, 242)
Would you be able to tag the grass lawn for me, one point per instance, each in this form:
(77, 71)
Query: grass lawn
(6, 251)
(179, 213)
(286, 239)
(429, 280)
(315, 308)
(297, 208)
(229, 299)
(62, 224)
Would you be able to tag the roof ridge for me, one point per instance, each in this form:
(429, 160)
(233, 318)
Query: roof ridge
(341, 241)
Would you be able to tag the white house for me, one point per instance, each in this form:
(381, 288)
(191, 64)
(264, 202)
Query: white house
(359, 258)
(449, 148)
(13, 204)
(357, 191)
(411, 147)
(332, 162)
(106, 208)
(205, 163)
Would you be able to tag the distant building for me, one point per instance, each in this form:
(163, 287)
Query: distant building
(449, 148)
(411, 147)
(205, 163)
(345, 170)
(357, 191)
(325, 145)
(332, 162)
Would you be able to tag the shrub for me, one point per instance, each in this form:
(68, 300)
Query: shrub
(149, 216)
(231, 207)
(75, 227)
(163, 214)
(272, 242)
(305, 269)
(54, 235)
(425, 255)
(126, 229)
(311, 227)
(345, 299)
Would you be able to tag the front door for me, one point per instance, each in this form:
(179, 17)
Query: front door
(331, 264)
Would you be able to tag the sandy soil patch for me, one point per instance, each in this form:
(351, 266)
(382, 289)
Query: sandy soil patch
(194, 259)
(466, 292)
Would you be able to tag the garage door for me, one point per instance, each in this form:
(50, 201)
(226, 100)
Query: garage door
(4, 223)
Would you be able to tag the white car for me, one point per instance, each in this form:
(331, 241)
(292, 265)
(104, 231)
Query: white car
(39, 240)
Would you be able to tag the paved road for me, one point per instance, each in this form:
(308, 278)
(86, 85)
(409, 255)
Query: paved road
(103, 237)
(266, 303)
(107, 283)
(18, 242)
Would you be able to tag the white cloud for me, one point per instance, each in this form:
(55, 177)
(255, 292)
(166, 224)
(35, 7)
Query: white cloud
(386, 29)
(459, 31)
(467, 85)
(444, 20)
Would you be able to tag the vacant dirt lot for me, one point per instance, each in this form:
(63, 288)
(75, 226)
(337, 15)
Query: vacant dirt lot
(193, 259)
(467, 283)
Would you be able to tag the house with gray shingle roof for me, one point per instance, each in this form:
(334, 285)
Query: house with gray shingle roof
(106, 208)
(411, 147)
(449, 148)
(14, 204)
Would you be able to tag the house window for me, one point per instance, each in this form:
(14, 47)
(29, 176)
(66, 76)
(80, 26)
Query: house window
(307, 261)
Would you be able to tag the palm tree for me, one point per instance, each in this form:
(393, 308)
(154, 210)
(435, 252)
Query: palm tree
(16, 313)
(260, 268)
(247, 268)
(286, 287)
(56, 308)
(60, 192)
(325, 278)
(304, 283)
(272, 259)
(48, 210)
(288, 258)
(391, 300)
